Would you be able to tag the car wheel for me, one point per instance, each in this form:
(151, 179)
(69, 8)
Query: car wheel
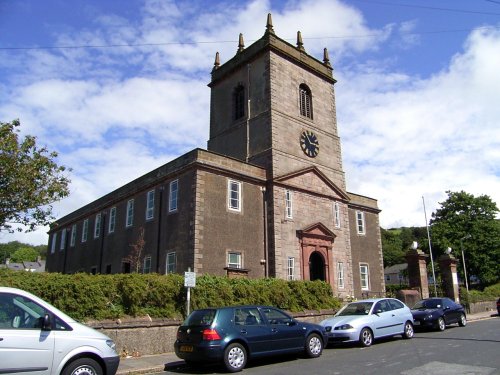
(83, 366)
(408, 331)
(314, 345)
(441, 325)
(462, 321)
(366, 337)
(235, 357)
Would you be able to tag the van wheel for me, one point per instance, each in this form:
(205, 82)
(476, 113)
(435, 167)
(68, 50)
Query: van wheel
(83, 366)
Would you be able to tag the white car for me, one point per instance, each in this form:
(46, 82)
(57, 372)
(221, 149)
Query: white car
(366, 320)
(36, 338)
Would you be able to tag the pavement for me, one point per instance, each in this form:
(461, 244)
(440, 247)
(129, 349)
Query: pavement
(160, 362)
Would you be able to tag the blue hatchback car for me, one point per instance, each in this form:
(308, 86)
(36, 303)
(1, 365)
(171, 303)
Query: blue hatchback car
(234, 334)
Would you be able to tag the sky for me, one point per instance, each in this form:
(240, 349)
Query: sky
(119, 88)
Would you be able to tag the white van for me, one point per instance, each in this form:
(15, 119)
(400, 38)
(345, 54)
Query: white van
(36, 338)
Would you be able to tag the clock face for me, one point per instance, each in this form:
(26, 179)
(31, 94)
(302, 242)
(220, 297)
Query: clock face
(309, 143)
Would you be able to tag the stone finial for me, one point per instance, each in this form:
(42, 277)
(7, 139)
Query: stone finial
(300, 45)
(326, 58)
(241, 44)
(269, 25)
(216, 62)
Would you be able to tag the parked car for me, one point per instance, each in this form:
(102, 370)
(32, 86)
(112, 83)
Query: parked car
(37, 338)
(233, 335)
(437, 313)
(366, 320)
(498, 306)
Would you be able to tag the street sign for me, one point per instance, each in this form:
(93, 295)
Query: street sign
(189, 279)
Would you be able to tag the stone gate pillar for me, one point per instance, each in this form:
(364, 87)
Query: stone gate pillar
(417, 271)
(448, 267)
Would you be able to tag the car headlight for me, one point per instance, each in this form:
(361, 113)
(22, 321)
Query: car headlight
(343, 327)
(111, 344)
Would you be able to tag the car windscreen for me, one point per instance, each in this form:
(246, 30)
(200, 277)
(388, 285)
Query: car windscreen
(428, 304)
(356, 308)
(203, 317)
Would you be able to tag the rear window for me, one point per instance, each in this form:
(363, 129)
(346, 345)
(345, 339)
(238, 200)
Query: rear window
(200, 318)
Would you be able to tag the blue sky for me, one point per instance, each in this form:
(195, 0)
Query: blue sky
(119, 88)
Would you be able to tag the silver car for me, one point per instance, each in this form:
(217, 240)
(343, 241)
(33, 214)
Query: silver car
(366, 320)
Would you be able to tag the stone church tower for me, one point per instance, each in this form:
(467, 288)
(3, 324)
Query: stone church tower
(274, 105)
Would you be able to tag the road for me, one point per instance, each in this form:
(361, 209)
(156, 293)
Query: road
(474, 349)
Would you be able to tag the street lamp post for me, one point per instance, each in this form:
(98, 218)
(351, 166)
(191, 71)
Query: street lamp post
(463, 260)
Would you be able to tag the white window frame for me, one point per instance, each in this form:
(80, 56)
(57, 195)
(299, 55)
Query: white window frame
(146, 266)
(173, 194)
(150, 205)
(53, 244)
(171, 262)
(364, 276)
(291, 268)
(72, 240)
(336, 214)
(238, 263)
(112, 220)
(85, 230)
(234, 201)
(340, 275)
(288, 204)
(129, 219)
(63, 239)
(97, 225)
(360, 222)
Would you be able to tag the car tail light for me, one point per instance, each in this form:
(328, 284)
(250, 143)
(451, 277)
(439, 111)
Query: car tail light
(210, 335)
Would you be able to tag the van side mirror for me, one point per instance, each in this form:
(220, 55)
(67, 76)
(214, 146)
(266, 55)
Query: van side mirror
(46, 323)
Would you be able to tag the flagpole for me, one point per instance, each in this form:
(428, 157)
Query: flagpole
(430, 248)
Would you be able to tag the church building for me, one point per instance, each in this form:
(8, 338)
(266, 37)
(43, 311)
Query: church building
(268, 197)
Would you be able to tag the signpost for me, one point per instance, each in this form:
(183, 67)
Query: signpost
(189, 282)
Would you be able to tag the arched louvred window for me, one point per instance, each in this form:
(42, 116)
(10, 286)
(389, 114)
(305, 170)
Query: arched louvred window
(305, 101)
(238, 102)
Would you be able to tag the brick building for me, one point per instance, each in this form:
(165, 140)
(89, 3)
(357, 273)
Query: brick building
(267, 198)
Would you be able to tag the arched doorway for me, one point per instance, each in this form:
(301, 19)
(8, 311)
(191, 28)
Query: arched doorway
(316, 267)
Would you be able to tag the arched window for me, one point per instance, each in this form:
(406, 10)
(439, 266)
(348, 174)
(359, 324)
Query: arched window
(305, 101)
(238, 102)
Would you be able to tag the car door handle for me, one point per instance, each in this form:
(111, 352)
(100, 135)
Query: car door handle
(1, 338)
(244, 331)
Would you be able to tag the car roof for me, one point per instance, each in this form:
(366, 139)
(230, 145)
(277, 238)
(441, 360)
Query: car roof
(372, 300)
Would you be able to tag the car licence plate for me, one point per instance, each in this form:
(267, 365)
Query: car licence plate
(186, 348)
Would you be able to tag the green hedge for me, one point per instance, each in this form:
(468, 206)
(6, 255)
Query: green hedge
(489, 293)
(86, 297)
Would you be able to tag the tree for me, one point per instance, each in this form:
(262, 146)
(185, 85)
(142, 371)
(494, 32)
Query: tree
(8, 249)
(30, 181)
(469, 223)
(24, 254)
(135, 257)
(392, 247)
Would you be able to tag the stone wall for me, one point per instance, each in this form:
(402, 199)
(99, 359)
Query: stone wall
(145, 336)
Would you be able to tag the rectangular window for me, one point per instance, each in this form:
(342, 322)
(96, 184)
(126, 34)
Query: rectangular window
(97, 226)
(85, 230)
(172, 196)
(53, 244)
(147, 265)
(340, 275)
(73, 236)
(360, 222)
(171, 262)
(63, 239)
(234, 260)
(288, 204)
(336, 214)
(112, 220)
(291, 268)
(365, 277)
(130, 213)
(150, 205)
(234, 195)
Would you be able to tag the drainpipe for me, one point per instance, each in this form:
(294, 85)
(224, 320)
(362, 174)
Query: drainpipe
(248, 113)
(158, 237)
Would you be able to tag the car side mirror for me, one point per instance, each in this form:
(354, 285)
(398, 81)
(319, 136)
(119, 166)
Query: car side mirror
(46, 323)
(378, 311)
